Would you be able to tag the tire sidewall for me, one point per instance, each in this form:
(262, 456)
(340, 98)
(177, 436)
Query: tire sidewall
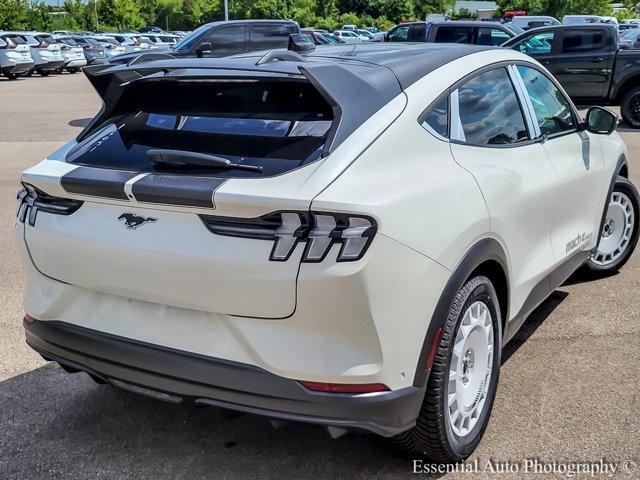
(462, 447)
(625, 108)
(626, 187)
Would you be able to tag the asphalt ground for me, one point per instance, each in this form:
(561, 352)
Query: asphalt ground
(568, 392)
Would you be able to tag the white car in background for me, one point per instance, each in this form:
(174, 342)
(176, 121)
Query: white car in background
(131, 42)
(348, 36)
(15, 59)
(73, 56)
(47, 57)
(161, 40)
(111, 46)
(355, 253)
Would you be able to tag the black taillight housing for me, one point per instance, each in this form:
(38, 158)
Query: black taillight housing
(318, 230)
(32, 200)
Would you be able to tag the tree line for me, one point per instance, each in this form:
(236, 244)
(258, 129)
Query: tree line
(113, 15)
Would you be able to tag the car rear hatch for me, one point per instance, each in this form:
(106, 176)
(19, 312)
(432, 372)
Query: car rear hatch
(132, 209)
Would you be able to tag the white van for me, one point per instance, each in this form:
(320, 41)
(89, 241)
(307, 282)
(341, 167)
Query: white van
(533, 21)
(582, 19)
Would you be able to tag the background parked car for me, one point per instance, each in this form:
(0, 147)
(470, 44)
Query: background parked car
(94, 53)
(162, 40)
(586, 60)
(47, 57)
(347, 36)
(316, 37)
(219, 39)
(15, 59)
(73, 56)
(473, 32)
(527, 22)
(130, 42)
(110, 45)
(332, 38)
(365, 35)
(586, 19)
(630, 39)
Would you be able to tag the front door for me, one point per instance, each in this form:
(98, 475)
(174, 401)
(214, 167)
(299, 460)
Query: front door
(577, 159)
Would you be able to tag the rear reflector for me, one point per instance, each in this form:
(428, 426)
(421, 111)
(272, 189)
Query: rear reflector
(434, 348)
(345, 387)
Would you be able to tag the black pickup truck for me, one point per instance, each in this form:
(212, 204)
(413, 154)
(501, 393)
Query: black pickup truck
(588, 62)
(219, 39)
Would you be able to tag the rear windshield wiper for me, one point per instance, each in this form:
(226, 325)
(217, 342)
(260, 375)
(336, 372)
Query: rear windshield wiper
(179, 158)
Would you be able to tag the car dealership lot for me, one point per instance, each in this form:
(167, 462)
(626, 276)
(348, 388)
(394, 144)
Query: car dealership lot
(568, 392)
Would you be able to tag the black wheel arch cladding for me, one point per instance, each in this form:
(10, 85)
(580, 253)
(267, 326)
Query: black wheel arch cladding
(485, 250)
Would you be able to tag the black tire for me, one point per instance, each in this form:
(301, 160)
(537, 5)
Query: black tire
(44, 73)
(630, 108)
(29, 73)
(72, 70)
(11, 76)
(595, 268)
(433, 436)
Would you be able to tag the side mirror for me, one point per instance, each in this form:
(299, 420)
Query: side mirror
(203, 49)
(601, 121)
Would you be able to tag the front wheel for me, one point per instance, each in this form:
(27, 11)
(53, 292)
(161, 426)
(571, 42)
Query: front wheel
(619, 234)
(463, 380)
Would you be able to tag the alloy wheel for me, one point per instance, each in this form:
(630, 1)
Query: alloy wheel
(470, 369)
(617, 231)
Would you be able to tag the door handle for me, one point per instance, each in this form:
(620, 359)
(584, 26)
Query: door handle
(597, 60)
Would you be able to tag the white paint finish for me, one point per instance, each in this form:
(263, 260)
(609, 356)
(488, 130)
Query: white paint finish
(174, 261)
(350, 321)
(577, 160)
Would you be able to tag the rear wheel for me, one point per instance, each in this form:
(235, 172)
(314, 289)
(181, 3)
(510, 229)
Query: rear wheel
(619, 234)
(44, 73)
(11, 76)
(463, 380)
(72, 70)
(630, 107)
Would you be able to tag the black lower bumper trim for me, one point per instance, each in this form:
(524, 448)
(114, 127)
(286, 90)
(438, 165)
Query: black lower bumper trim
(49, 66)
(17, 69)
(162, 372)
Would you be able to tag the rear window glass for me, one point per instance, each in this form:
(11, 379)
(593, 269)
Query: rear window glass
(278, 125)
(436, 120)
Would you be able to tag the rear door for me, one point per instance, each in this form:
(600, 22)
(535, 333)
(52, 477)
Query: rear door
(493, 139)
(267, 37)
(452, 34)
(229, 40)
(584, 62)
(115, 217)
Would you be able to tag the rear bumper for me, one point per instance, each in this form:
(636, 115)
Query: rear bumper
(180, 376)
(76, 62)
(18, 68)
(49, 66)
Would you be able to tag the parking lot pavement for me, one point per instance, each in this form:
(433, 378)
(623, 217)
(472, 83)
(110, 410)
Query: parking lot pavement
(569, 388)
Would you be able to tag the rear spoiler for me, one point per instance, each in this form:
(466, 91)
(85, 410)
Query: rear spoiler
(353, 98)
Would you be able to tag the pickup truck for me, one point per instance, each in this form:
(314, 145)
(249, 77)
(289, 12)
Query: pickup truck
(219, 39)
(589, 64)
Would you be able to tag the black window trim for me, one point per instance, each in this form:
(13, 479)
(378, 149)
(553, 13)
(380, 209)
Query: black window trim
(576, 116)
(486, 68)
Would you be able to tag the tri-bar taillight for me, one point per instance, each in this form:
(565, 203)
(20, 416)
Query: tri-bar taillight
(318, 230)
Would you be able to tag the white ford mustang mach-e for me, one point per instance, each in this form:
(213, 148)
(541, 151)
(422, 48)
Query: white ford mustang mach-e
(347, 237)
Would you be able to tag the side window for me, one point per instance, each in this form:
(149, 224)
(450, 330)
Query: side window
(492, 36)
(228, 40)
(552, 109)
(450, 34)
(539, 44)
(581, 42)
(436, 119)
(416, 32)
(489, 110)
(264, 37)
(399, 34)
